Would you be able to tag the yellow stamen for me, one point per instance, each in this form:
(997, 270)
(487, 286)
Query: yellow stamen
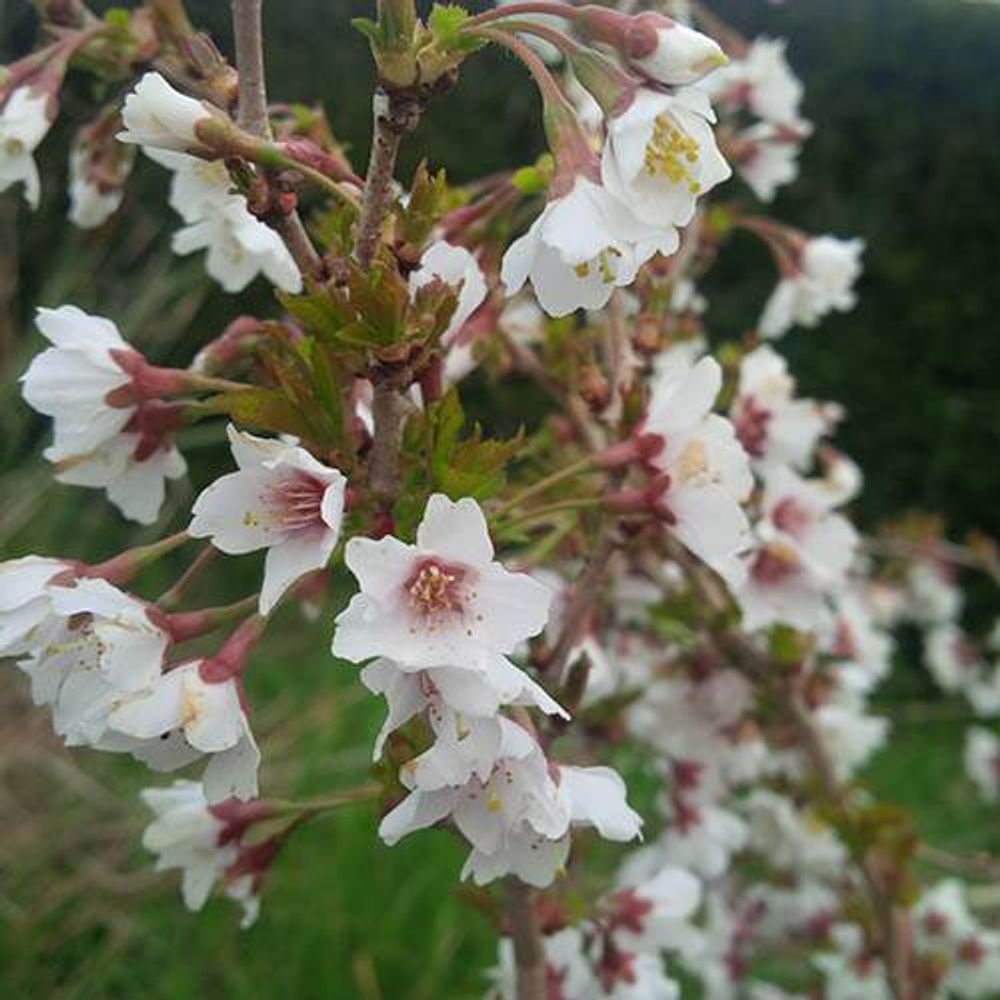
(670, 152)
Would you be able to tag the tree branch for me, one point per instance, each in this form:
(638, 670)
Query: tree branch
(529, 951)
(252, 117)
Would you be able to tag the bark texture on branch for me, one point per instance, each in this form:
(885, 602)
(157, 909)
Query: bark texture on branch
(252, 117)
(529, 949)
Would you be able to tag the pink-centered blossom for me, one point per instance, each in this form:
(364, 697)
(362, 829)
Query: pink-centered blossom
(282, 500)
(443, 601)
(804, 551)
(773, 426)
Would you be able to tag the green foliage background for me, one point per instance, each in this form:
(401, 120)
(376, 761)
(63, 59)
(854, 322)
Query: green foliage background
(906, 99)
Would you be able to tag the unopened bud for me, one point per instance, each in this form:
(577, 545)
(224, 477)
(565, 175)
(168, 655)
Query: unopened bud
(654, 45)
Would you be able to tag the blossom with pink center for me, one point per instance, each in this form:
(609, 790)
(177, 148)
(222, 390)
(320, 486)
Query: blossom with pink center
(281, 499)
(444, 601)
(803, 554)
(773, 426)
(707, 469)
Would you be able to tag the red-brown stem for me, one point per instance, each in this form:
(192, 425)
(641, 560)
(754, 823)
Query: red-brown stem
(550, 7)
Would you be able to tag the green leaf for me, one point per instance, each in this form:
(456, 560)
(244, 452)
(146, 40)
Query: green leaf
(262, 409)
(446, 22)
(369, 29)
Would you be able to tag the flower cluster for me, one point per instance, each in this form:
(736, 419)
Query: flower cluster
(682, 590)
(98, 657)
(442, 617)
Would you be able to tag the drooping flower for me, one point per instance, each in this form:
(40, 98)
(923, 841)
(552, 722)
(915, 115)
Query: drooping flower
(26, 611)
(203, 841)
(661, 156)
(98, 169)
(132, 468)
(239, 246)
(96, 648)
(656, 46)
(207, 714)
(767, 156)
(71, 380)
(707, 470)
(774, 427)
(441, 602)
(106, 434)
(281, 499)
(822, 281)
(762, 81)
(157, 115)
(455, 266)
(24, 122)
(584, 245)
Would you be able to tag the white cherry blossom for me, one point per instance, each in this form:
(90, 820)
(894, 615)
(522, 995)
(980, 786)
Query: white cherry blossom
(26, 611)
(134, 478)
(239, 246)
(441, 602)
(90, 204)
(773, 426)
(761, 80)
(823, 281)
(768, 156)
(96, 648)
(455, 266)
(208, 714)
(675, 54)
(660, 156)
(802, 558)
(125, 449)
(584, 245)
(24, 122)
(981, 756)
(157, 115)
(201, 840)
(709, 475)
(281, 499)
(451, 695)
(71, 380)
(185, 835)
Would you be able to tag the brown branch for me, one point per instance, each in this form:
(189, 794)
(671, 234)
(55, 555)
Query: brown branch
(393, 115)
(529, 950)
(252, 117)
(387, 417)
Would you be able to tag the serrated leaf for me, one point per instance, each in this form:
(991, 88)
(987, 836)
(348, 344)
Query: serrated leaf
(446, 22)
